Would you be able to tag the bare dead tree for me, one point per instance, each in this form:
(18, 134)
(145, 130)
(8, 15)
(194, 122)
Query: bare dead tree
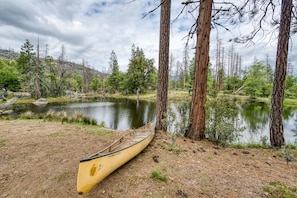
(37, 92)
(186, 64)
(171, 60)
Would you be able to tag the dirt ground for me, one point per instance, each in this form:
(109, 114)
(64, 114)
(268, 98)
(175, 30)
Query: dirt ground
(40, 159)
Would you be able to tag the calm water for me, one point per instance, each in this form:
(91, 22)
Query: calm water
(123, 114)
(119, 114)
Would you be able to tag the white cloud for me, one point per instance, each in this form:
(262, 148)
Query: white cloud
(91, 29)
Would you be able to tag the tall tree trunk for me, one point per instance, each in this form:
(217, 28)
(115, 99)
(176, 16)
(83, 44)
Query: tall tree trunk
(186, 57)
(197, 112)
(162, 92)
(276, 124)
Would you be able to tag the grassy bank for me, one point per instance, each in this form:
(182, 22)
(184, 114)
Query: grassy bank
(173, 95)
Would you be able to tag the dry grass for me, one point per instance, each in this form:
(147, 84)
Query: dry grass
(40, 159)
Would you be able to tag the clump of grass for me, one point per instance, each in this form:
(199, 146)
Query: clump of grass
(246, 145)
(49, 115)
(238, 145)
(27, 115)
(157, 174)
(287, 154)
(292, 146)
(52, 115)
(278, 189)
(2, 142)
(60, 116)
(264, 141)
(255, 145)
(102, 124)
(80, 118)
(4, 117)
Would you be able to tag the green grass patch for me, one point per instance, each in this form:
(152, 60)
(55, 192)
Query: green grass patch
(277, 189)
(50, 100)
(2, 142)
(247, 145)
(238, 145)
(255, 145)
(60, 116)
(157, 174)
(2, 117)
(292, 146)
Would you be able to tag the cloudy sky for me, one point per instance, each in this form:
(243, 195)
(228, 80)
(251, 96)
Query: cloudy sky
(90, 30)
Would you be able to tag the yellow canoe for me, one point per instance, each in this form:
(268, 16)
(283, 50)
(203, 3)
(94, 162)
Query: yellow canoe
(96, 167)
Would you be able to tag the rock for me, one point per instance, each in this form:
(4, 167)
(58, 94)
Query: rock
(181, 193)
(155, 158)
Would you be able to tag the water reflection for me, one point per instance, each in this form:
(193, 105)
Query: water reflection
(294, 130)
(123, 114)
(119, 114)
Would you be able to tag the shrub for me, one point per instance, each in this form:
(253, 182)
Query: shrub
(221, 121)
(27, 115)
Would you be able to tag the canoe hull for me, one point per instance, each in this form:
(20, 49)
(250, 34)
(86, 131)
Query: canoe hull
(93, 171)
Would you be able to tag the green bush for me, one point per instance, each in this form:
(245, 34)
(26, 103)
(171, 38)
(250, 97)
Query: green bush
(221, 121)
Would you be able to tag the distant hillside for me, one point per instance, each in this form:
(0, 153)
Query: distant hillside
(10, 54)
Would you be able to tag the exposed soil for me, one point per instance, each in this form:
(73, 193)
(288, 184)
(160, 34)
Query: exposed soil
(40, 159)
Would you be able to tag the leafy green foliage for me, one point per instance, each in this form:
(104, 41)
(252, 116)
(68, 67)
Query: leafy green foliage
(232, 84)
(9, 76)
(96, 84)
(291, 87)
(258, 81)
(141, 73)
(26, 64)
(177, 124)
(221, 121)
(114, 79)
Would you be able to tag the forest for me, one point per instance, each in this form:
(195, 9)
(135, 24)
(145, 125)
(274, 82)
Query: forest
(46, 77)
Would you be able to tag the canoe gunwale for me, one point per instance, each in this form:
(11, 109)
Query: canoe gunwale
(99, 154)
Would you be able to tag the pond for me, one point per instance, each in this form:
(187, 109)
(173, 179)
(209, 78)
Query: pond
(123, 114)
(119, 114)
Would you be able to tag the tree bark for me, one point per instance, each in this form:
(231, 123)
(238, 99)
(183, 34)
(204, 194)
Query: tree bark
(197, 112)
(162, 90)
(276, 123)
